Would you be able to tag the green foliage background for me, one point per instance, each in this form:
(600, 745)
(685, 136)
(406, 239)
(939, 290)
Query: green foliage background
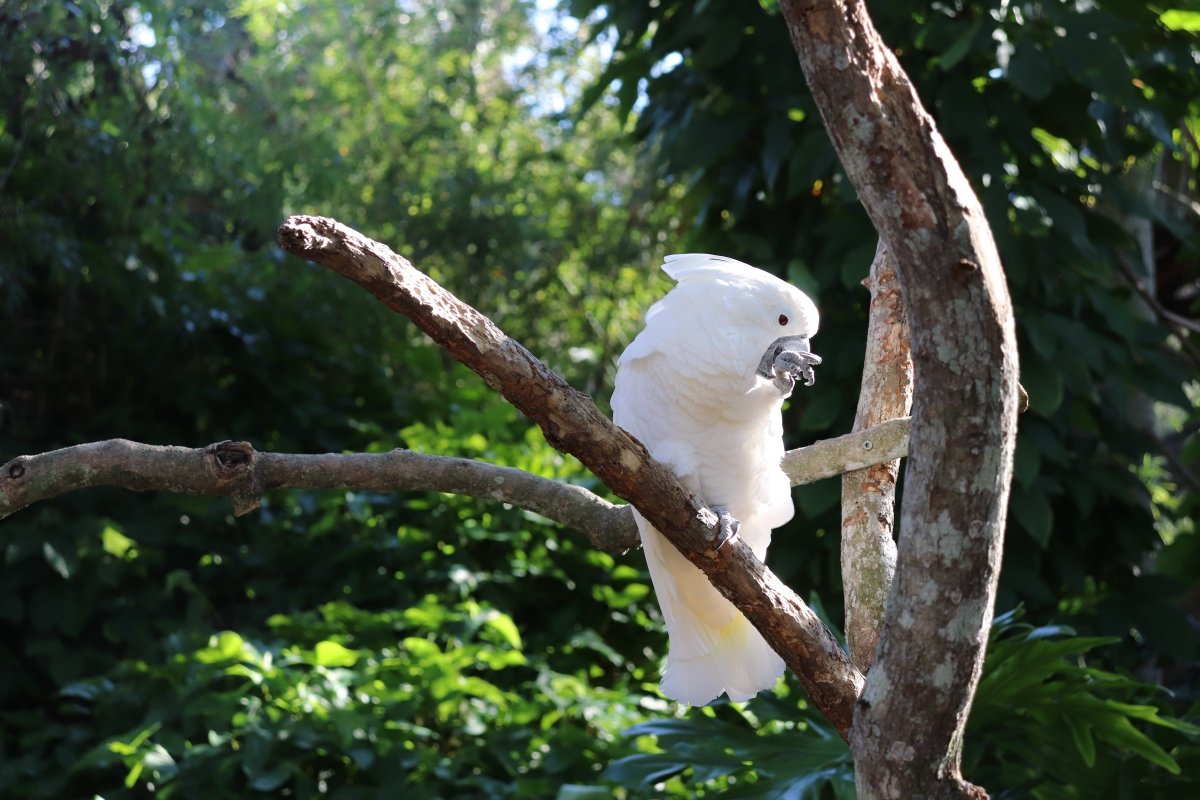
(361, 644)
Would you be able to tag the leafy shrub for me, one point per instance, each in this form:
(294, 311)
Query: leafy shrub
(1044, 725)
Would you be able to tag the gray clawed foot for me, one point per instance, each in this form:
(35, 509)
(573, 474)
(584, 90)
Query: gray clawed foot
(787, 359)
(727, 526)
(793, 364)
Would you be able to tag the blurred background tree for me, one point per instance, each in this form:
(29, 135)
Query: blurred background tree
(539, 160)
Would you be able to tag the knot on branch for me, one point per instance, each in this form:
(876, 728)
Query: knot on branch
(300, 235)
(235, 464)
(15, 469)
(965, 267)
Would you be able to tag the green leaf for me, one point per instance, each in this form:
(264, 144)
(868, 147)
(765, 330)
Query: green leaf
(133, 745)
(503, 624)
(1081, 734)
(331, 654)
(1152, 715)
(1178, 19)
(591, 640)
(1120, 732)
(644, 769)
(224, 646)
(272, 779)
(1059, 149)
(117, 544)
(135, 772)
(1031, 72)
(1152, 121)
(1051, 631)
(1033, 511)
(1066, 215)
(1044, 384)
(1026, 463)
(961, 46)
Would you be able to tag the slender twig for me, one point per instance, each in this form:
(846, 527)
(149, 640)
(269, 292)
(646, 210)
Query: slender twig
(1189, 205)
(1180, 324)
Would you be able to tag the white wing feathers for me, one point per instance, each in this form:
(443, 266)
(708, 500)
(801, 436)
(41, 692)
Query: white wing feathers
(682, 391)
(713, 648)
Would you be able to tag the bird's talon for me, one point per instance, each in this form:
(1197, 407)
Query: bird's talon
(727, 526)
(793, 365)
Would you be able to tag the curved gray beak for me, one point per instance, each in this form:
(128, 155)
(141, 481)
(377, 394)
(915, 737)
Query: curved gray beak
(787, 360)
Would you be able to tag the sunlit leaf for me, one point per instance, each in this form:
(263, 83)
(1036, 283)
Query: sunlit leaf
(1178, 19)
(116, 543)
(333, 654)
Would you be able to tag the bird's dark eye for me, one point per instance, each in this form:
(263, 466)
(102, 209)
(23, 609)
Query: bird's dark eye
(783, 320)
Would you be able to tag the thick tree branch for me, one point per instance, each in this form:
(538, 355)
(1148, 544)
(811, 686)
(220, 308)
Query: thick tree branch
(878, 444)
(572, 423)
(907, 736)
(869, 495)
(238, 471)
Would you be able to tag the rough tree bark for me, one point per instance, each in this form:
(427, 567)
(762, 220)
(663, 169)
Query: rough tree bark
(869, 495)
(908, 729)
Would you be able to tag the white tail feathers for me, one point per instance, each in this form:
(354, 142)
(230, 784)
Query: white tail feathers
(713, 649)
(741, 664)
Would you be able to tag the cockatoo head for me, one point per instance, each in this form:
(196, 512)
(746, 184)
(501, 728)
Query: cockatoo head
(737, 320)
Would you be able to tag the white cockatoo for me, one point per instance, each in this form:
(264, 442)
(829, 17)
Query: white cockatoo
(702, 386)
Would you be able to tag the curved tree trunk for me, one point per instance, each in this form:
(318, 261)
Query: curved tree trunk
(907, 733)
